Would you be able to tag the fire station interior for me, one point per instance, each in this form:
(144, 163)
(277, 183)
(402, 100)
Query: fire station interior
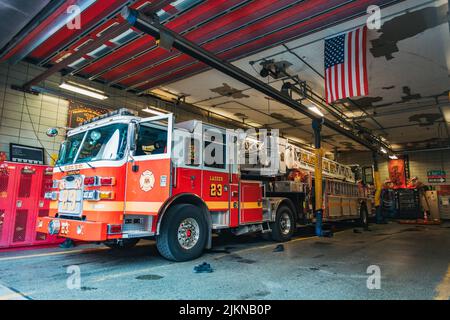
(110, 113)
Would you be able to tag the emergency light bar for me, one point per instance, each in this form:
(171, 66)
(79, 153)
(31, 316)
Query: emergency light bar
(119, 112)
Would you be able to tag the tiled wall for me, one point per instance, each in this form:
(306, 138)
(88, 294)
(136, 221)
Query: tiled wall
(419, 163)
(19, 124)
(46, 111)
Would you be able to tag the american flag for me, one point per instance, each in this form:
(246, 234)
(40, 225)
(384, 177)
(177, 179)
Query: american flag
(346, 65)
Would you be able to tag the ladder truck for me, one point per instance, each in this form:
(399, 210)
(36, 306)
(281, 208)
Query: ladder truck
(120, 178)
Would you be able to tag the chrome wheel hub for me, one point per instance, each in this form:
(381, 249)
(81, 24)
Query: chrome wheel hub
(188, 233)
(285, 223)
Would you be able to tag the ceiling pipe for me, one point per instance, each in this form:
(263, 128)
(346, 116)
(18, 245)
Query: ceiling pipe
(152, 27)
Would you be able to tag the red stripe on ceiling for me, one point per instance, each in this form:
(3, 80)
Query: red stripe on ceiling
(187, 20)
(97, 11)
(92, 36)
(61, 10)
(215, 28)
(264, 42)
(154, 5)
(265, 26)
(117, 19)
(170, 9)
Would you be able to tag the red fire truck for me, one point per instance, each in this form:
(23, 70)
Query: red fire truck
(116, 182)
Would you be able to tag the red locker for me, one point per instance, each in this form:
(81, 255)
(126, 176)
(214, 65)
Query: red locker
(22, 190)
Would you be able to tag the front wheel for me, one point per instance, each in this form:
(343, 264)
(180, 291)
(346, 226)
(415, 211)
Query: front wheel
(121, 243)
(183, 233)
(283, 227)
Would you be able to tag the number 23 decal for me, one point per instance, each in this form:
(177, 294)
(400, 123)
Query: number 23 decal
(215, 190)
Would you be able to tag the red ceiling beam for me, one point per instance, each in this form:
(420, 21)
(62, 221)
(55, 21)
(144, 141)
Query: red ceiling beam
(297, 13)
(47, 23)
(180, 70)
(155, 6)
(89, 17)
(214, 29)
(188, 20)
(108, 35)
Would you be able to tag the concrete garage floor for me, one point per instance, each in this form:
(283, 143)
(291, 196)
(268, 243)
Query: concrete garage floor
(414, 263)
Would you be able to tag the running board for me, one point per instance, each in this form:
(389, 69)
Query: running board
(140, 234)
(249, 229)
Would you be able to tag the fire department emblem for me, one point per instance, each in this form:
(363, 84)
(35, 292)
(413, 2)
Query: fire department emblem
(147, 180)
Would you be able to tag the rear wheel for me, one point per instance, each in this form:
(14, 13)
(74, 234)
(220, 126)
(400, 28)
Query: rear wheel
(121, 243)
(363, 216)
(183, 233)
(284, 225)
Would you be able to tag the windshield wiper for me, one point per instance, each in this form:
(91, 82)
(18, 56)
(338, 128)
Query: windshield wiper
(90, 165)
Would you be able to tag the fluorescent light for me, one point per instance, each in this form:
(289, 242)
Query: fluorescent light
(315, 107)
(446, 112)
(84, 90)
(315, 110)
(153, 111)
(383, 150)
(393, 157)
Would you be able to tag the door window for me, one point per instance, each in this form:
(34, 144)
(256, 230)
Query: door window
(215, 153)
(152, 139)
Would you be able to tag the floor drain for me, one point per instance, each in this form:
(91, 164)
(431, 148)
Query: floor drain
(149, 277)
(88, 288)
(323, 243)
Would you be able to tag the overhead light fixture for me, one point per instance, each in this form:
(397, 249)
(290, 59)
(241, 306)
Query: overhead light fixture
(316, 110)
(383, 150)
(393, 157)
(153, 111)
(315, 107)
(446, 112)
(84, 90)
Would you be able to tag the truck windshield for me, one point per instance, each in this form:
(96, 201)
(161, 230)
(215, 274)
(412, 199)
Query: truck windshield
(104, 143)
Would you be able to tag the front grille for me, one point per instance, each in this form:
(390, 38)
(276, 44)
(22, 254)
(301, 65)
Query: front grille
(70, 199)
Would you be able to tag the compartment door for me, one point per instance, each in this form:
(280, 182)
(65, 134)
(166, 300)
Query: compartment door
(250, 203)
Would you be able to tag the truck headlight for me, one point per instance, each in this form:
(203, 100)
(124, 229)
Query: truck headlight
(54, 227)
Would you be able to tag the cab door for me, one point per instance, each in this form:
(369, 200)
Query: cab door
(148, 182)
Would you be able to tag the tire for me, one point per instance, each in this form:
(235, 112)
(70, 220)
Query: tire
(363, 216)
(121, 243)
(183, 234)
(283, 227)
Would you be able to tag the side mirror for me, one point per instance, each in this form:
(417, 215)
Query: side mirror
(52, 132)
(134, 135)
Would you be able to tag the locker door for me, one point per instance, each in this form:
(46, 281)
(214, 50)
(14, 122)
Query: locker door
(7, 198)
(44, 184)
(25, 204)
